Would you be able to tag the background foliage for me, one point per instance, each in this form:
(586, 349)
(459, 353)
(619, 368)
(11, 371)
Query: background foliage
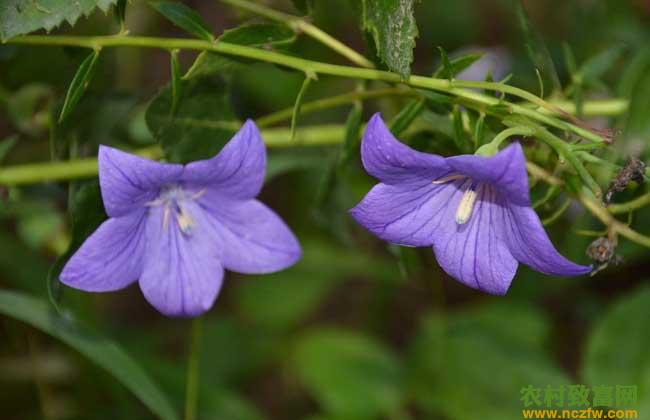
(358, 329)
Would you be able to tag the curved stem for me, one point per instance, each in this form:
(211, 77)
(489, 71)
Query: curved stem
(632, 205)
(192, 385)
(301, 25)
(441, 85)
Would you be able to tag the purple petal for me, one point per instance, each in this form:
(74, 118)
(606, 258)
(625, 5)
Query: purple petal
(474, 253)
(528, 242)
(111, 258)
(256, 240)
(128, 181)
(182, 274)
(238, 170)
(408, 213)
(392, 162)
(506, 171)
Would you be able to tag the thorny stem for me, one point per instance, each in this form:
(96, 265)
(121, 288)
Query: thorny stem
(301, 25)
(478, 100)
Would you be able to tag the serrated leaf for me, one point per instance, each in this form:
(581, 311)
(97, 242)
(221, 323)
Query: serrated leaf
(79, 84)
(18, 17)
(202, 124)
(607, 362)
(252, 35)
(350, 375)
(393, 28)
(537, 50)
(184, 17)
(100, 350)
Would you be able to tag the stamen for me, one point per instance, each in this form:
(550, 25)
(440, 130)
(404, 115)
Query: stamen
(466, 205)
(448, 178)
(185, 222)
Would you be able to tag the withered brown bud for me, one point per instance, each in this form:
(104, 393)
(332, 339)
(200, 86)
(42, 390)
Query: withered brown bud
(634, 170)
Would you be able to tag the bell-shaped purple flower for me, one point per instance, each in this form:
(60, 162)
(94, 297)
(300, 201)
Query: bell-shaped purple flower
(176, 227)
(474, 211)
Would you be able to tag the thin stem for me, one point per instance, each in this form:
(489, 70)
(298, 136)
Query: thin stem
(598, 107)
(301, 25)
(557, 213)
(318, 135)
(479, 100)
(632, 205)
(192, 385)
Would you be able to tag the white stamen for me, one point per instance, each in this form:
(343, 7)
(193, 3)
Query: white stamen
(466, 205)
(448, 179)
(185, 222)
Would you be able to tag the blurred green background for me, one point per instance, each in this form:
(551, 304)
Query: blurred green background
(357, 329)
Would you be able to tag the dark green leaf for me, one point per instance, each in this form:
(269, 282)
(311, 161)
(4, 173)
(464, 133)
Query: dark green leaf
(445, 66)
(406, 116)
(456, 65)
(305, 6)
(79, 84)
(617, 351)
(19, 17)
(446, 371)
(176, 79)
(184, 17)
(203, 123)
(595, 67)
(86, 214)
(393, 28)
(252, 35)
(100, 350)
(536, 48)
(6, 145)
(459, 129)
(350, 375)
(120, 13)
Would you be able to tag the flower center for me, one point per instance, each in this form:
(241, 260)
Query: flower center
(466, 205)
(174, 201)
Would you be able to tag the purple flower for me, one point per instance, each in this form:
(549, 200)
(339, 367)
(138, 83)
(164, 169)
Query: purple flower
(475, 211)
(176, 227)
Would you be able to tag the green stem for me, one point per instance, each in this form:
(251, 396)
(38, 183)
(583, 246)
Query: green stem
(319, 135)
(598, 107)
(192, 385)
(632, 205)
(301, 25)
(441, 85)
(557, 213)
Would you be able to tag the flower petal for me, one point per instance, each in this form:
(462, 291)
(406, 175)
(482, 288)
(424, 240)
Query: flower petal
(238, 170)
(111, 258)
(408, 213)
(182, 274)
(128, 181)
(392, 162)
(529, 243)
(256, 240)
(506, 171)
(474, 253)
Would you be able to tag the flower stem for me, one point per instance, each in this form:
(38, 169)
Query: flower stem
(318, 135)
(192, 385)
(631, 205)
(301, 25)
(478, 100)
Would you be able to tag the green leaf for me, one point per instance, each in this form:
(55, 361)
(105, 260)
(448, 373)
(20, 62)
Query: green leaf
(79, 84)
(86, 214)
(393, 28)
(25, 103)
(406, 116)
(455, 65)
(19, 17)
(536, 48)
(350, 147)
(6, 145)
(304, 6)
(253, 35)
(203, 123)
(184, 17)
(298, 104)
(446, 372)
(98, 349)
(120, 13)
(350, 375)
(445, 65)
(176, 80)
(617, 350)
(595, 67)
